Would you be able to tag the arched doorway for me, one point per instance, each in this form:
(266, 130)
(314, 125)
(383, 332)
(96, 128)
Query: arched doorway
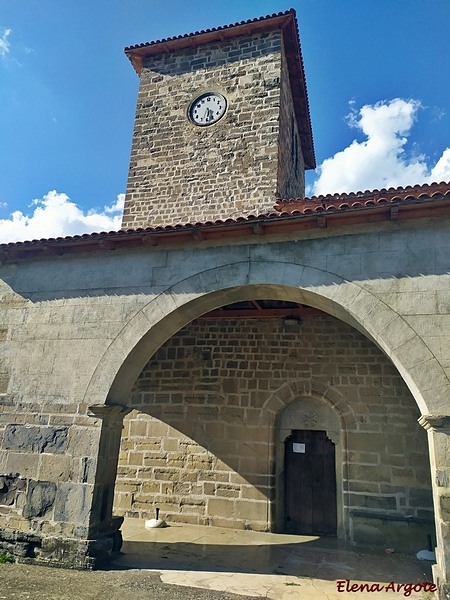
(309, 467)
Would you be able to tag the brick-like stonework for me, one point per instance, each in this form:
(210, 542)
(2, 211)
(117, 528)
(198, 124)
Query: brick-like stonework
(180, 172)
(199, 443)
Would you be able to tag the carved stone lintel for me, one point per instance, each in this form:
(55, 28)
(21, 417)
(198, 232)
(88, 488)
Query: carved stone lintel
(435, 422)
(102, 411)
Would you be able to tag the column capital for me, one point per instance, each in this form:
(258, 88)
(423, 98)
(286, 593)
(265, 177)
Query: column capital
(103, 411)
(435, 423)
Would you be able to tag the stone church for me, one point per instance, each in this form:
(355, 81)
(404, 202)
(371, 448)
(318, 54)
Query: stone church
(236, 355)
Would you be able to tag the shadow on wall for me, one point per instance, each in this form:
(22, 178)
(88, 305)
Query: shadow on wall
(200, 442)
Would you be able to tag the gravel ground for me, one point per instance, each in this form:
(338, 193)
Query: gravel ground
(29, 582)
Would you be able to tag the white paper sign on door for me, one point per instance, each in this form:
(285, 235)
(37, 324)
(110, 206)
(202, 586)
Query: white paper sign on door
(298, 448)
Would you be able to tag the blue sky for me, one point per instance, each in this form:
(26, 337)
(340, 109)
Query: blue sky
(377, 73)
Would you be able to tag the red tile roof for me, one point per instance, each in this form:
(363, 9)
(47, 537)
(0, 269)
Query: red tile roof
(290, 216)
(358, 200)
(284, 21)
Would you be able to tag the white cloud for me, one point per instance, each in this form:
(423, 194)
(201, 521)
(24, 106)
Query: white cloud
(4, 44)
(380, 161)
(441, 170)
(117, 206)
(56, 216)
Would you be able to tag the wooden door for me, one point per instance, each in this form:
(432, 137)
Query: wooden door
(310, 479)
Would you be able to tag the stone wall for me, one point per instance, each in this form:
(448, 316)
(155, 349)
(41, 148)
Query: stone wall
(291, 167)
(48, 480)
(180, 172)
(199, 443)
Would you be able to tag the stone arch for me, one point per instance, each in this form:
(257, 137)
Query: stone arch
(279, 400)
(350, 302)
(170, 310)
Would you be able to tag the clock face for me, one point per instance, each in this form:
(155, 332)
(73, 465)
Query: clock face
(207, 109)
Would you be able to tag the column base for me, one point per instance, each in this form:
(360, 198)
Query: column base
(443, 587)
(68, 553)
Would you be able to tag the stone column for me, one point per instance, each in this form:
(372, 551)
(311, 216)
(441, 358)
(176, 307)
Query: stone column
(102, 523)
(438, 428)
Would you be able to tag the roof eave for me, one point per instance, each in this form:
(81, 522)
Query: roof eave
(427, 202)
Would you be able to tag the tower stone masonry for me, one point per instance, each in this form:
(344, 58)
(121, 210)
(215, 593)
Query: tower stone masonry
(182, 171)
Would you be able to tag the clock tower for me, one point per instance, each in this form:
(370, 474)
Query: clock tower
(222, 124)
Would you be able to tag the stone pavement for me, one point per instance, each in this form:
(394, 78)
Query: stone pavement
(266, 565)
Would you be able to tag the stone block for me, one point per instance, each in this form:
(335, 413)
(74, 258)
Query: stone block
(128, 487)
(4, 382)
(418, 459)
(40, 499)
(151, 487)
(184, 518)
(237, 478)
(9, 487)
(169, 444)
(364, 486)
(83, 441)
(372, 473)
(218, 507)
(167, 474)
(19, 524)
(363, 457)
(123, 502)
(54, 467)
(444, 503)
(376, 502)
(160, 462)
(28, 438)
(366, 442)
(395, 444)
(211, 476)
(83, 470)
(250, 465)
(251, 510)
(209, 489)
(192, 504)
(181, 488)
(73, 502)
(423, 498)
(3, 457)
(138, 428)
(158, 428)
(135, 458)
(228, 493)
(232, 523)
(404, 476)
(198, 462)
(368, 535)
(23, 464)
(253, 493)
